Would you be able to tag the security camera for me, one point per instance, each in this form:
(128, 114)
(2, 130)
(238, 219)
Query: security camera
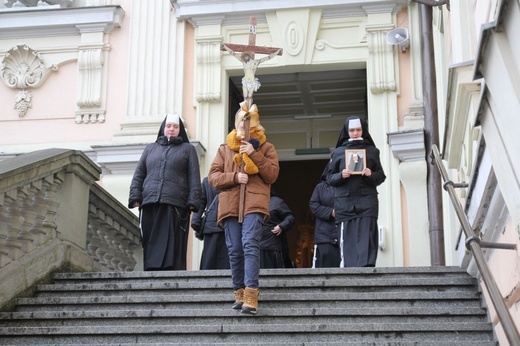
(399, 37)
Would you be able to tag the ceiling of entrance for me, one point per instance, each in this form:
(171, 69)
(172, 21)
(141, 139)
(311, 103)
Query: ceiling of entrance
(311, 95)
(305, 111)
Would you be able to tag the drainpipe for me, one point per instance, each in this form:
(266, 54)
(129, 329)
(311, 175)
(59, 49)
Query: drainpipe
(431, 134)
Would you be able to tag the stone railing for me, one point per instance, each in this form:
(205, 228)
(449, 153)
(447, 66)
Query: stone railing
(112, 234)
(54, 216)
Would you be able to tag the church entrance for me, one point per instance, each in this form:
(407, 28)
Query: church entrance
(295, 185)
(303, 114)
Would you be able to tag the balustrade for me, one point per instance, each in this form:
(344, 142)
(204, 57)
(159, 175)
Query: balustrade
(44, 213)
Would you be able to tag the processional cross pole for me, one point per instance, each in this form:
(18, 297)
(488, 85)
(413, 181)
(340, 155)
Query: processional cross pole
(246, 55)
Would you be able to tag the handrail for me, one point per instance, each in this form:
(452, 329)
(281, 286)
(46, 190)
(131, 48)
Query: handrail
(474, 245)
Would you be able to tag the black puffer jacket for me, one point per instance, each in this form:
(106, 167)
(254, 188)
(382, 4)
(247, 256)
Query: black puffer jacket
(209, 199)
(168, 173)
(322, 204)
(281, 215)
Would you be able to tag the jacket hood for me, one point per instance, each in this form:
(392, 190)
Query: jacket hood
(325, 173)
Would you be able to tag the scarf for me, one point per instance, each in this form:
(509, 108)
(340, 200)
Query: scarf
(234, 143)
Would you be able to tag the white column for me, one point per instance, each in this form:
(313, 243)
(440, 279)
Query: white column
(413, 178)
(151, 71)
(382, 71)
(211, 88)
(408, 148)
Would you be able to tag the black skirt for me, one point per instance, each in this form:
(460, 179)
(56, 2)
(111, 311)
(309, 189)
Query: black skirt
(214, 254)
(326, 256)
(359, 240)
(271, 259)
(164, 234)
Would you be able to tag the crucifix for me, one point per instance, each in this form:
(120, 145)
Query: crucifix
(250, 84)
(246, 55)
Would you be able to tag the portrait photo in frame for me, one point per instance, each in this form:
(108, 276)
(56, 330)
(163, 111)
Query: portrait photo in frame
(356, 160)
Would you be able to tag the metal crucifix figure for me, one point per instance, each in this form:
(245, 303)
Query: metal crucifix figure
(246, 55)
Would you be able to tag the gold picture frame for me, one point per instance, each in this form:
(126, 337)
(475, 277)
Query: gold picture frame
(356, 160)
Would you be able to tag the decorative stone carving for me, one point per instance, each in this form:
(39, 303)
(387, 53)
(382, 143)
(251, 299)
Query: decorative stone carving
(208, 61)
(90, 62)
(381, 60)
(22, 68)
(37, 3)
(23, 102)
(20, 3)
(407, 145)
(294, 37)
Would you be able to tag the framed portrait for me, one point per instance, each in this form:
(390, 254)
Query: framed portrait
(356, 160)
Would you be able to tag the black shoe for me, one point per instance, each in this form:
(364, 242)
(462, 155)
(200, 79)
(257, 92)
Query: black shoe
(239, 299)
(248, 310)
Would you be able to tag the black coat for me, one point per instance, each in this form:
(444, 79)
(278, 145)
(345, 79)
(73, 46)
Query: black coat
(167, 173)
(322, 204)
(209, 194)
(281, 215)
(355, 196)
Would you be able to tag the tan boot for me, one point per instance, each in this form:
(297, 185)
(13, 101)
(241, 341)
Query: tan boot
(250, 305)
(239, 299)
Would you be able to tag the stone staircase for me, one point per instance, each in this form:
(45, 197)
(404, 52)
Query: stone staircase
(355, 306)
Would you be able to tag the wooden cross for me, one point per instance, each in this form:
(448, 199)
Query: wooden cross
(251, 46)
(246, 55)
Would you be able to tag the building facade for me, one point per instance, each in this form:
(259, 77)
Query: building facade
(100, 75)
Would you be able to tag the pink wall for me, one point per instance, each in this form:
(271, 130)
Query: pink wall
(52, 116)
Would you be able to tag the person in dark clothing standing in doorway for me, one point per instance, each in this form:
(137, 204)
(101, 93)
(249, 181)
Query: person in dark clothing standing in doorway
(214, 253)
(166, 189)
(355, 195)
(326, 249)
(281, 220)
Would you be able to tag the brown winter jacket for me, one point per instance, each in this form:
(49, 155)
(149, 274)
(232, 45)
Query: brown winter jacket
(222, 176)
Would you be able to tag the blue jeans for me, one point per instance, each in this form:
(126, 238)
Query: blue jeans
(243, 243)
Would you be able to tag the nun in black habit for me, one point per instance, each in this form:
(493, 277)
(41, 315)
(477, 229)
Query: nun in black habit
(166, 189)
(326, 249)
(214, 252)
(356, 203)
(281, 220)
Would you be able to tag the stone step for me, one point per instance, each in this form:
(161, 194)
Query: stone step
(323, 299)
(330, 306)
(245, 333)
(351, 339)
(68, 290)
(249, 325)
(180, 320)
(265, 306)
(263, 343)
(303, 273)
(225, 311)
(228, 316)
